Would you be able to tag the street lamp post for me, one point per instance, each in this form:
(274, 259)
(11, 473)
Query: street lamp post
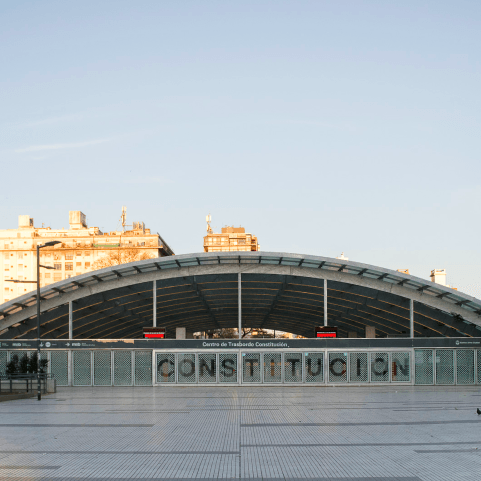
(47, 244)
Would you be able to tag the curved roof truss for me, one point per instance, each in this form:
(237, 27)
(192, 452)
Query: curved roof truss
(279, 291)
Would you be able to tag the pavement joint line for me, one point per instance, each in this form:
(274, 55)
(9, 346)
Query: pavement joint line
(403, 423)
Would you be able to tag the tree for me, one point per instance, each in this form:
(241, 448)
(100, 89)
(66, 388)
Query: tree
(121, 255)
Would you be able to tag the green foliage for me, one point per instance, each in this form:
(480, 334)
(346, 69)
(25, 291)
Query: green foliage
(26, 364)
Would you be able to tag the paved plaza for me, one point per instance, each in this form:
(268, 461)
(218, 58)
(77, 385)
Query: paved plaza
(369, 433)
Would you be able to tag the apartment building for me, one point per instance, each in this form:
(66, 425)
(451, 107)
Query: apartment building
(81, 249)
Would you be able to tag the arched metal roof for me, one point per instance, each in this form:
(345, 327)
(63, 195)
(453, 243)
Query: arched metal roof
(279, 291)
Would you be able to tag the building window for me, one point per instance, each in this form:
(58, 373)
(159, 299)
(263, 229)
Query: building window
(87, 253)
(6, 268)
(87, 264)
(20, 278)
(69, 266)
(57, 267)
(57, 257)
(47, 275)
(6, 289)
(69, 256)
(79, 264)
(57, 277)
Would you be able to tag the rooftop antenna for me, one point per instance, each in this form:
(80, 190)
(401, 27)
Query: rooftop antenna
(208, 218)
(123, 217)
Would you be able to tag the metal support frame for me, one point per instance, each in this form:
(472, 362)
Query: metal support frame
(154, 307)
(239, 300)
(70, 320)
(411, 318)
(325, 302)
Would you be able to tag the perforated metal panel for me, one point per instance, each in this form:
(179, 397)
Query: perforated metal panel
(272, 367)
(423, 362)
(228, 367)
(293, 367)
(358, 371)
(143, 368)
(337, 367)
(3, 362)
(186, 368)
(102, 368)
(465, 366)
(444, 366)
(478, 356)
(251, 367)
(314, 366)
(82, 375)
(122, 368)
(59, 367)
(401, 367)
(379, 367)
(207, 367)
(165, 367)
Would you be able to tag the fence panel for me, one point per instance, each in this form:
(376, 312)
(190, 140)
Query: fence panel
(465, 366)
(102, 368)
(293, 367)
(82, 373)
(207, 367)
(143, 368)
(122, 368)
(358, 371)
(314, 366)
(251, 367)
(337, 367)
(186, 368)
(424, 372)
(228, 367)
(165, 367)
(379, 367)
(272, 367)
(401, 367)
(59, 367)
(445, 366)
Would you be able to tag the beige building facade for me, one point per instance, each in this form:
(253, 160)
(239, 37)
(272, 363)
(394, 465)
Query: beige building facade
(81, 249)
(230, 239)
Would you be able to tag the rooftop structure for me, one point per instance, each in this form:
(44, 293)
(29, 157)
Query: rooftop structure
(82, 249)
(231, 239)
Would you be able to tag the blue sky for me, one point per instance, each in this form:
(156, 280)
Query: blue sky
(320, 126)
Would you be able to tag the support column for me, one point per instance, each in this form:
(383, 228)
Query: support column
(325, 302)
(70, 320)
(154, 307)
(411, 318)
(239, 300)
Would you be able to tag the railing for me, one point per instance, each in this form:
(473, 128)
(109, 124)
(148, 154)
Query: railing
(17, 383)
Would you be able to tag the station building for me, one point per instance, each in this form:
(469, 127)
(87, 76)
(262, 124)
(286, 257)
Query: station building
(393, 327)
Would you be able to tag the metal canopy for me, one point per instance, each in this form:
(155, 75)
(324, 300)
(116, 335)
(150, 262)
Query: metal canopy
(279, 291)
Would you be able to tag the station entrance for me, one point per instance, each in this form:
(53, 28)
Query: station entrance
(297, 362)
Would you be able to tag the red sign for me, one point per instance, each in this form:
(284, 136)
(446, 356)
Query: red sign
(326, 334)
(154, 332)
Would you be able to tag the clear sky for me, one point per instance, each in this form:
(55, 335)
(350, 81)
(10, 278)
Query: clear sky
(320, 126)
